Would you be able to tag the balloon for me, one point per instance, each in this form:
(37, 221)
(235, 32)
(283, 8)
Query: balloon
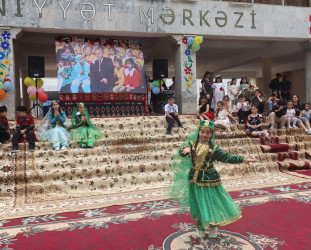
(190, 40)
(39, 83)
(151, 86)
(2, 93)
(32, 97)
(198, 39)
(162, 89)
(7, 86)
(161, 82)
(156, 90)
(42, 97)
(40, 90)
(155, 84)
(31, 90)
(1, 85)
(195, 47)
(29, 82)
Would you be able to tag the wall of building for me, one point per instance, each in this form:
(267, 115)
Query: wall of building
(298, 80)
(215, 18)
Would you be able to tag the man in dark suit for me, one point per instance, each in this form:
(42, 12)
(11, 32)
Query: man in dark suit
(102, 78)
(275, 83)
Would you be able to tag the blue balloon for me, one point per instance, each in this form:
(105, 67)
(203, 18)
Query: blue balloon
(7, 86)
(156, 90)
(190, 40)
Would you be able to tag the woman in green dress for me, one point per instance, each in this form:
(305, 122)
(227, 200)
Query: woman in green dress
(197, 183)
(83, 130)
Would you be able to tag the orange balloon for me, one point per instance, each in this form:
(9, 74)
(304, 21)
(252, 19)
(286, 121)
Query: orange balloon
(2, 93)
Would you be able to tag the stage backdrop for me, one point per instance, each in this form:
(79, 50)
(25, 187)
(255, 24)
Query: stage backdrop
(99, 65)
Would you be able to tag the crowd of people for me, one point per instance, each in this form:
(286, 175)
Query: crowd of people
(99, 65)
(54, 128)
(280, 106)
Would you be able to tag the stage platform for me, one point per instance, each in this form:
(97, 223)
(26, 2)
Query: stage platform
(132, 164)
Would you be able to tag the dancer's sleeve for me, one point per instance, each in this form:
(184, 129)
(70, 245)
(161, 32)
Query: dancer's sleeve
(222, 156)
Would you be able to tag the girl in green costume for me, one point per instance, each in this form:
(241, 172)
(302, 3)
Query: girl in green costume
(197, 183)
(83, 130)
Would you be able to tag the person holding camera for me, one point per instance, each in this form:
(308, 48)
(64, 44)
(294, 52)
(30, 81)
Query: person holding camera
(273, 99)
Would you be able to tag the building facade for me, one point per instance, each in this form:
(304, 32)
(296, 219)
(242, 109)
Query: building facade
(254, 38)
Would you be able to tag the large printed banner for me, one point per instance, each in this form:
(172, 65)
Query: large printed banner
(99, 65)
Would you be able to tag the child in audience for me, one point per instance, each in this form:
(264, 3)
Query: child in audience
(218, 91)
(229, 109)
(55, 131)
(203, 111)
(305, 116)
(222, 120)
(171, 114)
(254, 124)
(4, 125)
(25, 126)
(290, 115)
(233, 91)
(243, 84)
(197, 184)
(257, 101)
(243, 108)
(83, 130)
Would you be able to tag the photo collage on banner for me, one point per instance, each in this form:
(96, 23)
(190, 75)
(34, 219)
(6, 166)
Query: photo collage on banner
(99, 65)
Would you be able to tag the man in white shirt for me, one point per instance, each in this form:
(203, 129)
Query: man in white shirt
(171, 114)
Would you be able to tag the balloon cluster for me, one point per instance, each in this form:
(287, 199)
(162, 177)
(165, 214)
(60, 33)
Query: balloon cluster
(195, 42)
(5, 86)
(156, 87)
(33, 91)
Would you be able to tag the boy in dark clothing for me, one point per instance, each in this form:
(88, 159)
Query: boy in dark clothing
(24, 129)
(278, 115)
(4, 125)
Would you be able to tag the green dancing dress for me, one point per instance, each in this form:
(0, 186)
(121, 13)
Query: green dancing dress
(197, 183)
(83, 131)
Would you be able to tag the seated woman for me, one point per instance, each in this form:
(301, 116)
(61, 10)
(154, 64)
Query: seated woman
(272, 100)
(222, 120)
(83, 130)
(52, 128)
(203, 111)
(254, 124)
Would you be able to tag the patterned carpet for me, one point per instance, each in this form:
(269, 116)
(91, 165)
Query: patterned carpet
(131, 164)
(273, 218)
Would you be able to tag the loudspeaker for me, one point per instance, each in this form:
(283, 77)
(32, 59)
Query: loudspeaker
(160, 68)
(36, 66)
